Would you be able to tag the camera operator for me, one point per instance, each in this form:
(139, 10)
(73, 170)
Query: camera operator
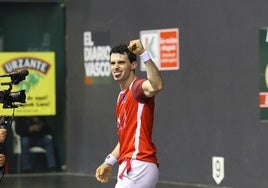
(3, 134)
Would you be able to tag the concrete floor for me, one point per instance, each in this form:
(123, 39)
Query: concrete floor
(68, 180)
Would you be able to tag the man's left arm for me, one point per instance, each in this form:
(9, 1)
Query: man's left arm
(154, 82)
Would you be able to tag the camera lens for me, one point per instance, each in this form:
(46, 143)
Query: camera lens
(18, 96)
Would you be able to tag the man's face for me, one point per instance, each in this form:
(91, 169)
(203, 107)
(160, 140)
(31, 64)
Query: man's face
(121, 67)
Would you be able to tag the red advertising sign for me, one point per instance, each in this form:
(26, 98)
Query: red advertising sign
(163, 47)
(169, 49)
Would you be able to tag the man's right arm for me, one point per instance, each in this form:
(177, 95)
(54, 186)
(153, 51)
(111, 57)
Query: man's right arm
(104, 171)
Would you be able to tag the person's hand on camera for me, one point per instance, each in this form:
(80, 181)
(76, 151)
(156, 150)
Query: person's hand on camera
(2, 159)
(3, 134)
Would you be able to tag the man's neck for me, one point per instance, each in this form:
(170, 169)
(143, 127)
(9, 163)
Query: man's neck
(126, 83)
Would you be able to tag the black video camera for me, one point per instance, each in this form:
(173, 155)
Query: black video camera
(9, 98)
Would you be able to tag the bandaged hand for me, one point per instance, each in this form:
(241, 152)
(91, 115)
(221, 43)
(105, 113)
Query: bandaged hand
(136, 47)
(104, 172)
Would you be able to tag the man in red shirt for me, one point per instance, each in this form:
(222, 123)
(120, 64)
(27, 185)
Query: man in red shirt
(135, 151)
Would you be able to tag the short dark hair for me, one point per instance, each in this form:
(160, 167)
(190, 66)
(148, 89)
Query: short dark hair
(123, 48)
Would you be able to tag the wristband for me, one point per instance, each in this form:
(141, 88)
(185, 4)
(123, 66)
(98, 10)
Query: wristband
(110, 159)
(144, 57)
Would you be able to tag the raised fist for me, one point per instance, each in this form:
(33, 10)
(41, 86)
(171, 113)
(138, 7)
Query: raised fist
(136, 47)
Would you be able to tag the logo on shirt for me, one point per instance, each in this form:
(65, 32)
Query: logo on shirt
(124, 98)
(121, 121)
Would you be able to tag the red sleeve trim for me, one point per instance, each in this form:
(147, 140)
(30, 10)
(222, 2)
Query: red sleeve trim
(137, 91)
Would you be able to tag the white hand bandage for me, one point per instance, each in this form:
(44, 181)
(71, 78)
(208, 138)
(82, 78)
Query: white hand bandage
(110, 159)
(144, 57)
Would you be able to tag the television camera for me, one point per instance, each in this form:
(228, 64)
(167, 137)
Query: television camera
(11, 99)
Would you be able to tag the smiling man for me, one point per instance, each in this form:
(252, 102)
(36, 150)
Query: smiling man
(135, 151)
